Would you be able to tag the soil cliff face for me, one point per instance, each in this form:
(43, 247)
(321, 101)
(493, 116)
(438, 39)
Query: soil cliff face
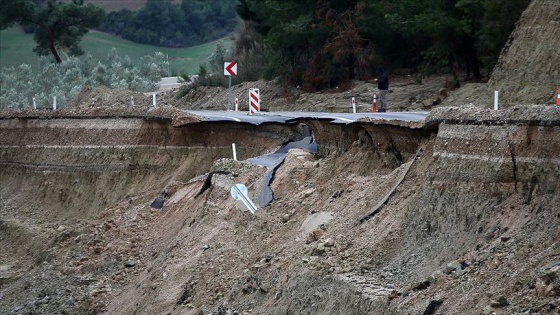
(459, 216)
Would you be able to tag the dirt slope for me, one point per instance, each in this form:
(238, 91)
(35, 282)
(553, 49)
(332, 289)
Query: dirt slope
(461, 215)
(527, 71)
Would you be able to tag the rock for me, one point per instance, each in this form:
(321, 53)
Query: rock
(453, 266)
(495, 304)
(308, 192)
(548, 283)
(129, 263)
(329, 242)
(318, 250)
(503, 301)
(434, 276)
(488, 310)
(433, 306)
(421, 285)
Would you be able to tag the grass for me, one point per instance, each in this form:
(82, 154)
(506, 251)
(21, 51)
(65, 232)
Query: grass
(17, 48)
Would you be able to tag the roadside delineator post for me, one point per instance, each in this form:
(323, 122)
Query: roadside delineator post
(234, 151)
(54, 103)
(236, 104)
(374, 105)
(254, 101)
(154, 99)
(34, 104)
(558, 98)
(496, 94)
(353, 105)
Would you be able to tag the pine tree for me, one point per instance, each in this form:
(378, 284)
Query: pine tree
(59, 25)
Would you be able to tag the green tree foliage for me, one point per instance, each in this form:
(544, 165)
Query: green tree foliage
(317, 43)
(66, 79)
(324, 43)
(164, 23)
(58, 25)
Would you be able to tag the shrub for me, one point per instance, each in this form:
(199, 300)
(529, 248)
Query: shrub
(64, 80)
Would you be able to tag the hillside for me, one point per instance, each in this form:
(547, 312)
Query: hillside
(459, 214)
(17, 48)
(527, 70)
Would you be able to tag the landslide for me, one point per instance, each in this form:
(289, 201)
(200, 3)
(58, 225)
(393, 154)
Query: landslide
(459, 215)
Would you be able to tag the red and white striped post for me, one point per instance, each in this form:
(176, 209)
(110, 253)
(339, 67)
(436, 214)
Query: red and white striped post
(558, 98)
(374, 105)
(254, 101)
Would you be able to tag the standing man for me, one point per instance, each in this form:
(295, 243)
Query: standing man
(383, 87)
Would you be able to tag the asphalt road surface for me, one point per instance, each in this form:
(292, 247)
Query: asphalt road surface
(287, 117)
(169, 82)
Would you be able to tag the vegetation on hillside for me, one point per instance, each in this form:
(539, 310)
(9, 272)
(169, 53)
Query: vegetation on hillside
(57, 25)
(21, 86)
(317, 44)
(326, 43)
(164, 23)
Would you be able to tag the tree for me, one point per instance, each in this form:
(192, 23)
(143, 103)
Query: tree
(60, 25)
(325, 43)
(459, 33)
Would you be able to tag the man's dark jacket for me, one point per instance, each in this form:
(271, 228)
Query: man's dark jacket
(383, 81)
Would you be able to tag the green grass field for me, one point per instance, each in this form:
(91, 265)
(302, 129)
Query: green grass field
(17, 48)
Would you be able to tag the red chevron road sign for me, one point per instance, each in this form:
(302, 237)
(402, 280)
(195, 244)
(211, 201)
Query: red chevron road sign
(230, 68)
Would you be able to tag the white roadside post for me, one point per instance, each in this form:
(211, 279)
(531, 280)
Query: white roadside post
(234, 152)
(240, 192)
(34, 104)
(154, 99)
(230, 69)
(132, 101)
(54, 103)
(496, 94)
(236, 104)
(354, 105)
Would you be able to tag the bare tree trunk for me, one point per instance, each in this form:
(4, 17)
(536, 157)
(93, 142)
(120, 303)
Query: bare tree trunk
(51, 46)
(471, 58)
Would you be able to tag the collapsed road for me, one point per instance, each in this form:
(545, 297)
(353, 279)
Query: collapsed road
(286, 117)
(409, 212)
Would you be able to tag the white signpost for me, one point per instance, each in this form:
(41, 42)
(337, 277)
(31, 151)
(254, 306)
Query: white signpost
(239, 192)
(230, 69)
